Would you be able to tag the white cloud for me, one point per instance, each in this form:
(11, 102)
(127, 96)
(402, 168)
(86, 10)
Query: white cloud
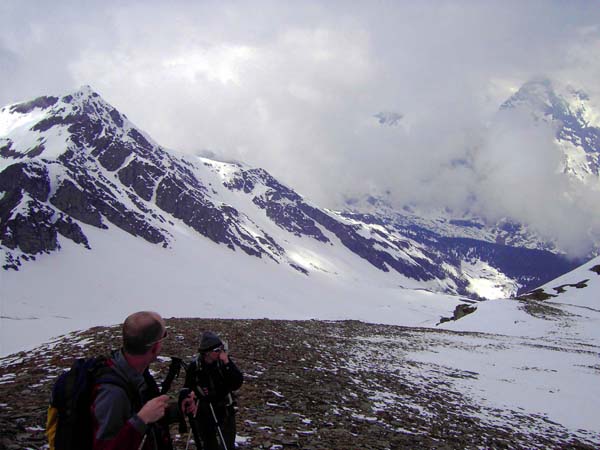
(222, 64)
(294, 88)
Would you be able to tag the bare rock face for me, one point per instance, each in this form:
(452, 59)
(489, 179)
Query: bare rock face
(40, 102)
(35, 227)
(77, 204)
(459, 312)
(30, 178)
(308, 384)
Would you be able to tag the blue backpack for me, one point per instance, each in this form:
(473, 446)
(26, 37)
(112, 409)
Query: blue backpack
(69, 424)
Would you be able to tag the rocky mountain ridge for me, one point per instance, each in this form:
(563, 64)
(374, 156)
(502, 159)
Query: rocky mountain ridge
(76, 160)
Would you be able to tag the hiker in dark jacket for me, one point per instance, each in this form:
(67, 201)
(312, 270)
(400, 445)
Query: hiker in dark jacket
(127, 418)
(214, 377)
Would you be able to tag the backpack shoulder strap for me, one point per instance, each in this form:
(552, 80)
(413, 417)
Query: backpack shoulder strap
(174, 369)
(196, 364)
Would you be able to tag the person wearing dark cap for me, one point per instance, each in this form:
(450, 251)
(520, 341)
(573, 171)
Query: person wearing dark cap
(213, 376)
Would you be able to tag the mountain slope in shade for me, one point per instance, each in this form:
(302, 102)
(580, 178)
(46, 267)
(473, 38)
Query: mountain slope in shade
(90, 164)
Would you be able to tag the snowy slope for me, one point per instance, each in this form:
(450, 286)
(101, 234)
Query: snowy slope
(541, 358)
(572, 308)
(196, 278)
(77, 171)
(98, 220)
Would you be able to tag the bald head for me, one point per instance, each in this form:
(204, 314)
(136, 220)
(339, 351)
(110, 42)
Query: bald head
(141, 330)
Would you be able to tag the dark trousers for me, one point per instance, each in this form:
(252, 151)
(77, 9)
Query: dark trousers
(208, 430)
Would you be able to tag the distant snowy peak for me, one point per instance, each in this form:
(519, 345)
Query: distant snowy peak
(577, 123)
(556, 101)
(448, 223)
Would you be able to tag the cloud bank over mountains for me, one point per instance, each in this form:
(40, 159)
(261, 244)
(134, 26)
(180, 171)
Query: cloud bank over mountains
(296, 89)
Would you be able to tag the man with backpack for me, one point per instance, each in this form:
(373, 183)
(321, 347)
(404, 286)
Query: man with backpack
(113, 403)
(213, 376)
(127, 408)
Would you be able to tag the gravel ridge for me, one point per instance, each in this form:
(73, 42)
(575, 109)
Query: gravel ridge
(308, 384)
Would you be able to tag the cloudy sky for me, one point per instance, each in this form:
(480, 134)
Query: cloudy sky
(294, 87)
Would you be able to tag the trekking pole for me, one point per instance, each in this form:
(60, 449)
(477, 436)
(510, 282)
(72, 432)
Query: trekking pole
(148, 429)
(174, 369)
(189, 436)
(194, 430)
(143, 441)
(200, 393)
(212, 410)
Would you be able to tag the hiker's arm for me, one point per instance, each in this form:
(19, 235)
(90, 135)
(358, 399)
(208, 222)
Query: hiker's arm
(233, 375)
(115, 425)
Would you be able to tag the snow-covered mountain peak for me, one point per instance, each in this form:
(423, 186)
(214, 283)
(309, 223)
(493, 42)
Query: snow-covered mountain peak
(537, 94)
(74, 162)
(51, 104)
(555, 100)
(575, 119)
(48, 127)
(86, 91)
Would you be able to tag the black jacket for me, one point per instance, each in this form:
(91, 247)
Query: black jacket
(213, 384)
(215, 381)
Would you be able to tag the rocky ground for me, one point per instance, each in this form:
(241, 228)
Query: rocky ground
(308, 384)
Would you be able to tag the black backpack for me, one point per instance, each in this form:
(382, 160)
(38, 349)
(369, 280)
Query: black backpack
(69, 425)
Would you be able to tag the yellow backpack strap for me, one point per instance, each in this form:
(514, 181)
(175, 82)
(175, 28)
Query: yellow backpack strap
(51, 424)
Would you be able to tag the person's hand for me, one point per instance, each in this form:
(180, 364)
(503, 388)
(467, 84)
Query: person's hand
(189, 405)
(223, 357)
(154, 409)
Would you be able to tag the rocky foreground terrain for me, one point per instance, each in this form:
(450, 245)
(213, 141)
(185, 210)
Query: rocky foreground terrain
(309, 385)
